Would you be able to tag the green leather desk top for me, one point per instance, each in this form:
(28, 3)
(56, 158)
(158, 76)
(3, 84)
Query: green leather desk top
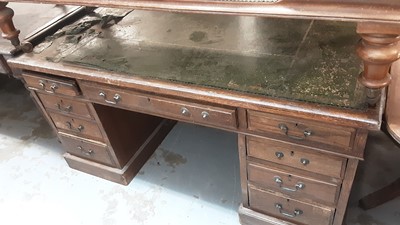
(303, 60)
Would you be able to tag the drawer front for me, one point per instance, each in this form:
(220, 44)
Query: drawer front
(196, 113)
(77, 126)
(202, 114)
(94, 151)
(295, 186)
(289, 209)
(51, 85)
(302, 131)
(295, 156)
(63, 105)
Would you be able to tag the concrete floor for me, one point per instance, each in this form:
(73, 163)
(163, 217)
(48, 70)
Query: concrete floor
(193, 178)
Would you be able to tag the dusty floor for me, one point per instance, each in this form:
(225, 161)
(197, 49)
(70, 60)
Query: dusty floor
(180, 184)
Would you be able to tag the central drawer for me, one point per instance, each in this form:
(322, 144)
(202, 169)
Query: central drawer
(289, 209)
(170, 108)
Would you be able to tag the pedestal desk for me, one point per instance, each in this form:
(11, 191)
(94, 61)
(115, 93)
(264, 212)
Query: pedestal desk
(112, 85)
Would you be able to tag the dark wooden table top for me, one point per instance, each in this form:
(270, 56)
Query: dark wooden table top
(387, 11)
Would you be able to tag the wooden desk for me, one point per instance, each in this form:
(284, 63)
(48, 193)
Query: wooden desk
(106, 90)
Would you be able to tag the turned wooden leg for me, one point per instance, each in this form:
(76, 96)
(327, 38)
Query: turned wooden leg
(7, 25)
(379, 48)
(8, 29)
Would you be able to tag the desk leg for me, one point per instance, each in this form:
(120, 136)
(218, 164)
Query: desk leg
(379, 48)
(8, 29)
(345, 191)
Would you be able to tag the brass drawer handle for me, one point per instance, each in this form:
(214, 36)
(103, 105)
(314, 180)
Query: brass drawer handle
(117, 98)
(296, 212)
(304, 161)
(67, 108)
(71, 127)
(285, 130)
(298, 186)
(53, 87)
(86, 152)
(185, 111)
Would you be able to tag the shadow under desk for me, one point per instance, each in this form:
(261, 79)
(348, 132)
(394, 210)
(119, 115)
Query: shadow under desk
(288, 88)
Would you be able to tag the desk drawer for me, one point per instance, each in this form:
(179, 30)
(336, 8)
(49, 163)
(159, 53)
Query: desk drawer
(94, 151)
(63, 105)
(295, 156)
(301, 131)
(201, 114)
(289, 209)
(179, 110)
(79, 127)
(51, 85)
(293, 185)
